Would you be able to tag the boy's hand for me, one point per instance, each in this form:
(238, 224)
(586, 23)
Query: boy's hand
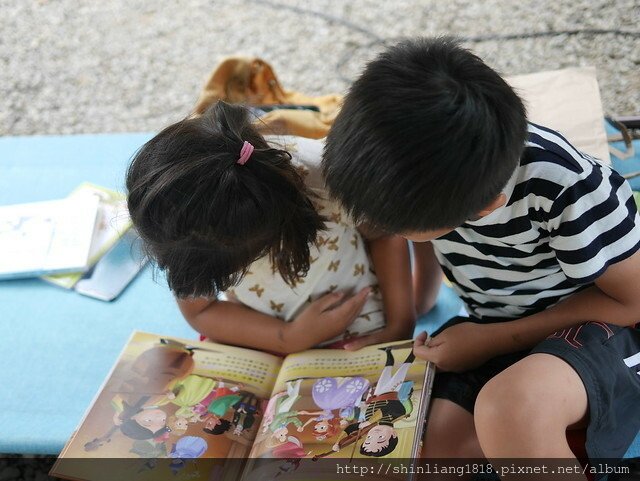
(458, 348)
(323, 319)
(388, 334)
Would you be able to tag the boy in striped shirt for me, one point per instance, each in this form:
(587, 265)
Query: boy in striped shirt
(539, 240)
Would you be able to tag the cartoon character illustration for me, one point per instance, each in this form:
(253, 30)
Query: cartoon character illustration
(149, 449)
(159, 375)
(291, 448)
(382, 409)
(215, 426)
(350, 414)
(245, 408)
(343, 394)
(325, 429)
(157, 367)
(283, 413)
(139, 422)
(245, 411)
(201, 408)
(148, 375)
(187, 393)
(148, 422)
(177, 424)
(270, 411)
(187, 447)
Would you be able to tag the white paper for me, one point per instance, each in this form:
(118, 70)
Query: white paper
(46, 237)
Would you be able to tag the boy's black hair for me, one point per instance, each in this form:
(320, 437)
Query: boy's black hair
(204, 218)
(426, 138)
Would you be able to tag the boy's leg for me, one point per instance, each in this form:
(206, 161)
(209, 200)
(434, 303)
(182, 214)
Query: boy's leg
(577, 374)
(524, 411)
(451, 432)
(450, 429)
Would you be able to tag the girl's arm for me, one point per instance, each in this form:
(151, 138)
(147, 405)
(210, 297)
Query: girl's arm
(236, 324)
(390, 258)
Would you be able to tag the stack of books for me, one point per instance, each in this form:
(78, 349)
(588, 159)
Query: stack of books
(83, 242)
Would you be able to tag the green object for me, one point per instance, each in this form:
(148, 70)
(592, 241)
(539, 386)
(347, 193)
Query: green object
(636, 196)
(189, 392)
(281, 420)
(220, 406)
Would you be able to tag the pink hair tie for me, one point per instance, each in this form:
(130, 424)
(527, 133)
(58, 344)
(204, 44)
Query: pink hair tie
(245, 153)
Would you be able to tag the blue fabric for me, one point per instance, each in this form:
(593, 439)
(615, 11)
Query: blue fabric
(626, 166)
(57, 346)
(448, 305)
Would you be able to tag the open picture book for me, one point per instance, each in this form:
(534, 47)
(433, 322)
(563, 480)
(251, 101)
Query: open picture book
(176, 409)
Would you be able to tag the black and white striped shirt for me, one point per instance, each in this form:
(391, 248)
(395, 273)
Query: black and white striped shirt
(567, 218)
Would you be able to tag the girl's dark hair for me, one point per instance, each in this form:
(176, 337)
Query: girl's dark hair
(204, 218)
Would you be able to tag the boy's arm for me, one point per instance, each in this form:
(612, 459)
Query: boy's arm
(236, 324)
(592, 224)
(390, 258)
(614, 299)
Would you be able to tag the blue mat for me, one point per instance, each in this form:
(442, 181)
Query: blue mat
(58, 346)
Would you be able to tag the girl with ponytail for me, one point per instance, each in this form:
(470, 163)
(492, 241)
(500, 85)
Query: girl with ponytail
(254, 250)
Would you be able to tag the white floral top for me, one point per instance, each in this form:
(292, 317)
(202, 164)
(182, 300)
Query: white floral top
(339, 262)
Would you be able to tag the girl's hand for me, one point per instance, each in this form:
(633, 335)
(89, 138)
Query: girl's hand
(323, 319)
(458, 348)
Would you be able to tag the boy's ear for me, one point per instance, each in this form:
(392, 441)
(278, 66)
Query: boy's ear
(496, 203)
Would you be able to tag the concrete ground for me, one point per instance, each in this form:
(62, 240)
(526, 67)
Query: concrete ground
(72, 66)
